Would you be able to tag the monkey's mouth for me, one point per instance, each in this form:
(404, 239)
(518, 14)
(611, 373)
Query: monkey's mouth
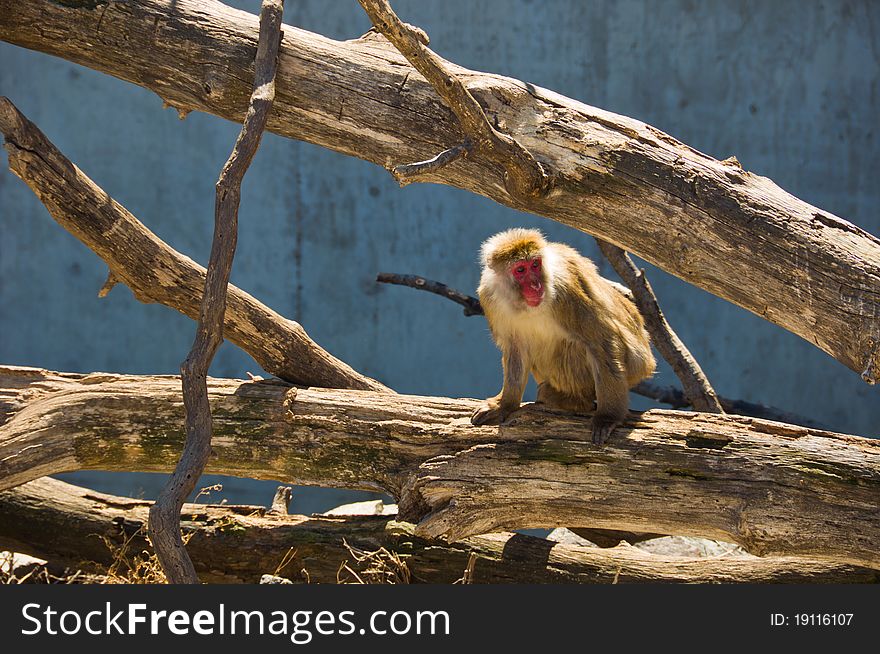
(533, 296)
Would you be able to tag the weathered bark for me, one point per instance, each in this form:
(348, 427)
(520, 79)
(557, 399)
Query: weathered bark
(709, 222)
(154, 271)
(237, 544)
(773, 488)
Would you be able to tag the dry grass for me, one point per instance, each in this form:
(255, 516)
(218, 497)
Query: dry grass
(133, 568)
(373, 567)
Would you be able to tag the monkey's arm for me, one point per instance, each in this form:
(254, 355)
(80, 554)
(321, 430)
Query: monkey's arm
(516, 375)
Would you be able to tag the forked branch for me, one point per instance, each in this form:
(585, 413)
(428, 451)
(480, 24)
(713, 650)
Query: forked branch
(524, 177)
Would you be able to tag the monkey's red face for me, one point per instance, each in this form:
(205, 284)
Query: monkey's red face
(528, 274)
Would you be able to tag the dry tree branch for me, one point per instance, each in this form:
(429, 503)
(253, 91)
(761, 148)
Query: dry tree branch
(524, 177)
(61, 523)
(471, 304)
(697, 389)
(409, 173)
(771, 487)
(164, 524)
(663, 394)
(154, 271)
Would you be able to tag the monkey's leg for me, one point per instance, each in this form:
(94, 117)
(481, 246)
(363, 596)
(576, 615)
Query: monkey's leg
(612, 398)
(553, 398)
(516, 373)
(567, 380)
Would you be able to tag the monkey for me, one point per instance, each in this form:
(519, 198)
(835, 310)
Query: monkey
(552, 315)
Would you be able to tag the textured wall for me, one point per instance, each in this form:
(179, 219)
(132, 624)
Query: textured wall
(790, 88)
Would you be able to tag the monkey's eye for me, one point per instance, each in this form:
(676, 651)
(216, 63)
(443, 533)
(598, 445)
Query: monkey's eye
(520, 269)
(536, 264)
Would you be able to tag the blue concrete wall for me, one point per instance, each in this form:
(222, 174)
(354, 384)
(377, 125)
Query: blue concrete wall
(790, 88)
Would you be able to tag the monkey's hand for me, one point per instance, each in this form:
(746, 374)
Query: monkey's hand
(603, 425)
(491, 413)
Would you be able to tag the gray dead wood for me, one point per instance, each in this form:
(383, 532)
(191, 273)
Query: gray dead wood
(164, 525)
(66, 525)
(709, 222)
(775, 489)
(154, 271)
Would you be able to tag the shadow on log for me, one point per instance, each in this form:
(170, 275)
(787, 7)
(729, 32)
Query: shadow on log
(237, 544)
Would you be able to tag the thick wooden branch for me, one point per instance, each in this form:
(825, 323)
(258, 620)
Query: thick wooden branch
(776, 489)
(154, 271)
(66, 525)
(164, 525)
(694, 382)
(709, 222)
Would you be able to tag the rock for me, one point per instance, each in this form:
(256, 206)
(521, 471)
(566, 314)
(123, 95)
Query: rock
(19, 565)
(370, 507)
(274, 579)
(568, 537)
(690, 547)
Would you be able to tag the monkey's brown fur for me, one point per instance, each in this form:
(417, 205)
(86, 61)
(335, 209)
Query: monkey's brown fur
(584, 343)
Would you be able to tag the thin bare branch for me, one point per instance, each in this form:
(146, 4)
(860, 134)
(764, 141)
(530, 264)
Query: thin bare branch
(409, 173)
(697, 389)
(164, 524)
(471, 304)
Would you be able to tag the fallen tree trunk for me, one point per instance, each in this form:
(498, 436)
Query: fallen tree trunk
(775, 489)
(733, 233)
(67, 525)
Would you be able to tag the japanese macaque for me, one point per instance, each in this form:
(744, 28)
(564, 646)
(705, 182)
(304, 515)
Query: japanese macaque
(554, 316)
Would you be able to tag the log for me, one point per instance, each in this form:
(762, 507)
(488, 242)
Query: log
(709, 222)
(773, 488)
(66, 525)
